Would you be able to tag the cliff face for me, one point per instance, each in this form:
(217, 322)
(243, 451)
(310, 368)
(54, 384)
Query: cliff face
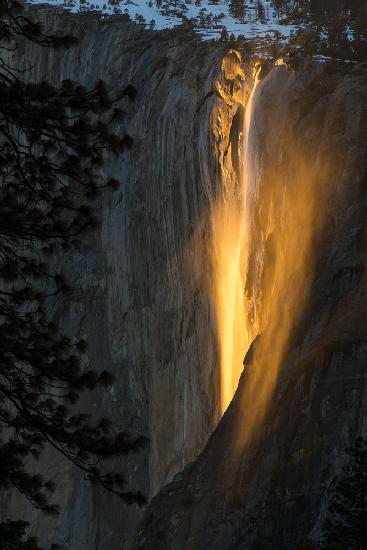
(136, 299)
(262, 481)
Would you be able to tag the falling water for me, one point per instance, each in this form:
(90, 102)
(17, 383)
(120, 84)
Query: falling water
(229, 250)
(290, 212)
(266, 229)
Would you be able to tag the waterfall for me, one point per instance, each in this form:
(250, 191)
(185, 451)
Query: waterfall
(289, 203)
(229, 250)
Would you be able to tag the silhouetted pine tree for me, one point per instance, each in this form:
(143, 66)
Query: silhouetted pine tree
(13, 537)
(224, 35)
(346, 525)
(52, 146)
(305, 543)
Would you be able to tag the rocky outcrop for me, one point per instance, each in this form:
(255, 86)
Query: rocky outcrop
(265, 489)
(136, 298)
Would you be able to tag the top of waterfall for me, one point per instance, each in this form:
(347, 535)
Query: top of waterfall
(334, 28)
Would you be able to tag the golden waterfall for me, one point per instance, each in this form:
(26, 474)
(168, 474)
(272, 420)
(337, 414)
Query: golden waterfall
(256, 247)
(228, 262)
(290, 212)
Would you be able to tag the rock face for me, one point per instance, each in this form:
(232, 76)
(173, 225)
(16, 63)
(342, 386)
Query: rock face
(136, 299)
(264, 489)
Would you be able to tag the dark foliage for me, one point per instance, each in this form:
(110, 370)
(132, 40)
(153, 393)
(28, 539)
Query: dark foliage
(13, 537)
(305, 543)
(52, 146)
(346, 525)
(338, 27)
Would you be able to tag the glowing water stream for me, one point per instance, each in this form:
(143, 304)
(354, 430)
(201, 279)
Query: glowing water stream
(269, 229)
(228, 257)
